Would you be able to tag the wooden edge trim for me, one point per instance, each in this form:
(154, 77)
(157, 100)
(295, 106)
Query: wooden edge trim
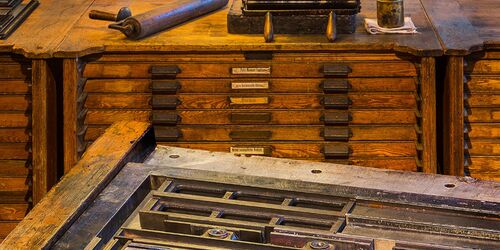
(123, 142)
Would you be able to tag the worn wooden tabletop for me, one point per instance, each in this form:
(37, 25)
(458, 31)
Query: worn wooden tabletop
(209, 33)
(41, 33)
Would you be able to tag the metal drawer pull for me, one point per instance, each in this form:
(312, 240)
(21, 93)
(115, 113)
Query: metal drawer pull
(161, 118)
(167, 134)
(161, 72)
(165, 86)
(250, 135)
(336, 70)
(336, 102)
(336, 151)
(336, 134)
(249, 100)
(335, 86)
(250, 85)
(164, 102)
(336, 117)
(251, 71)
(241, 150)
(250, 118)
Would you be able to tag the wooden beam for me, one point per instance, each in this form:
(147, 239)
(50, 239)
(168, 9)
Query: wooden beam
(70, 92)
(44, 127)
(428, 92)
(453, 111)
(126, 141)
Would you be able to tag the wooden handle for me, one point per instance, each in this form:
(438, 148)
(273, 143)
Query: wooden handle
(250, 118)
(338, 151)
(167, 134)
(331, 27)
(107, 16)
(250, 135)
(268, 28)
(164, 102)
(165, 86)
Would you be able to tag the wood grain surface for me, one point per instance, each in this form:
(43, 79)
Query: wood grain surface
(210, 33)
(98, 166)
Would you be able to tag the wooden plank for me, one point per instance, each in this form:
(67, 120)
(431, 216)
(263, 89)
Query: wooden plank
(15, 102)
(484, 130)
(278, 117)
(13, 184)
(487, 67)
(429, 121)
(15, 135)
(312, 150)
(485, 168)
(275, 85)
(14, 151)
(276, 101)
(44, 130)
(92, 173)
(15, 120)
(483, 115)
(13, 212)
(453, 112)
(483, 147)
(14, 71)
(221, 70)
(483, 100)
(70, 91)
(15, 86)
(457, 35)
(14, 168)
(478, 84)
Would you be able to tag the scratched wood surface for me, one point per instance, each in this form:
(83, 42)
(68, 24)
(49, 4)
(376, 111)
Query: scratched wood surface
(210, 33)
(79, 187)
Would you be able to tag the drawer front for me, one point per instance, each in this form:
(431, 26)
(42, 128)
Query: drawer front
(484, 67)
(486, 167)
(483, 147)
(306, 150)
(217, 117)
(299, 106)
(15, 141)
(254, 70)
(251, 85)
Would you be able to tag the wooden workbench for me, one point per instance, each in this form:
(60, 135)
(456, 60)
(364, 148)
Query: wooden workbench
(470, 37)
(389, 123)
(28, 122)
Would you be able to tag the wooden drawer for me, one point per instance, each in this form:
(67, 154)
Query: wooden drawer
(15, 102)
(483, 147)
(483, 130)
(483, 114)
(483, 84)
(223, 117)
(477, 100)
(486, 168)
(305, 150)
(250, 101)
(282, 133)
(254, 69)
(484, 67)
(14, 70)
(251, 85)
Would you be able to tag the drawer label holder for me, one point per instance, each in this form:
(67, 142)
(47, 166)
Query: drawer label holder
(252, 150)
(251, 71)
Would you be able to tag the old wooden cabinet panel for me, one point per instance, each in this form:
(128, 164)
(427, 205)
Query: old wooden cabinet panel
(28, 106)
(471, 40)
(365, 100)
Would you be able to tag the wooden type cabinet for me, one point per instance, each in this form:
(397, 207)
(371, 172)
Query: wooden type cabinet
(365, 100)
(470, 35)
(28, 110)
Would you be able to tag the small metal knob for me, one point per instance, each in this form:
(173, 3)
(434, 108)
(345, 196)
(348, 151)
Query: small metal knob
(218, 233)
(320, 245)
